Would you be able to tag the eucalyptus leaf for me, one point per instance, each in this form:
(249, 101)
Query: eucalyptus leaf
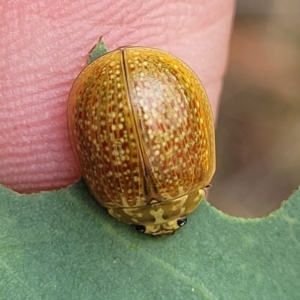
(64, 245)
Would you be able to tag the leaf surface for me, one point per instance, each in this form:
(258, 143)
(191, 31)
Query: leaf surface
(63, 245)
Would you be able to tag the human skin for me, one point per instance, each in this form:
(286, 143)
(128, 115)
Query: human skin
(45, 45)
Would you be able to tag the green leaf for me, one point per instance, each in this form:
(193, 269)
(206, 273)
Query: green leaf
(63, 245)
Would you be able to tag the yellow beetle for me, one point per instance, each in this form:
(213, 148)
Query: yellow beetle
(142, 130)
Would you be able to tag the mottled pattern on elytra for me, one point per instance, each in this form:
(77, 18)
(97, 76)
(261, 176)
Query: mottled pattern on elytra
(103, 133)
(173, 115)
(142, 128)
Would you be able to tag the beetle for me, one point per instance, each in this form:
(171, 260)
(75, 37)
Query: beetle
(142, 130)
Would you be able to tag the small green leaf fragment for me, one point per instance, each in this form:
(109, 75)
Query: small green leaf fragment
(98, 50)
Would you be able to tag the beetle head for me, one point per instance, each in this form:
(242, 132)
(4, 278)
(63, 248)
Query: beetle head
(164, 229)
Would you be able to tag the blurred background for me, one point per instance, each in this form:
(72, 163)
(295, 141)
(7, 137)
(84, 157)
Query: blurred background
(258, 130)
